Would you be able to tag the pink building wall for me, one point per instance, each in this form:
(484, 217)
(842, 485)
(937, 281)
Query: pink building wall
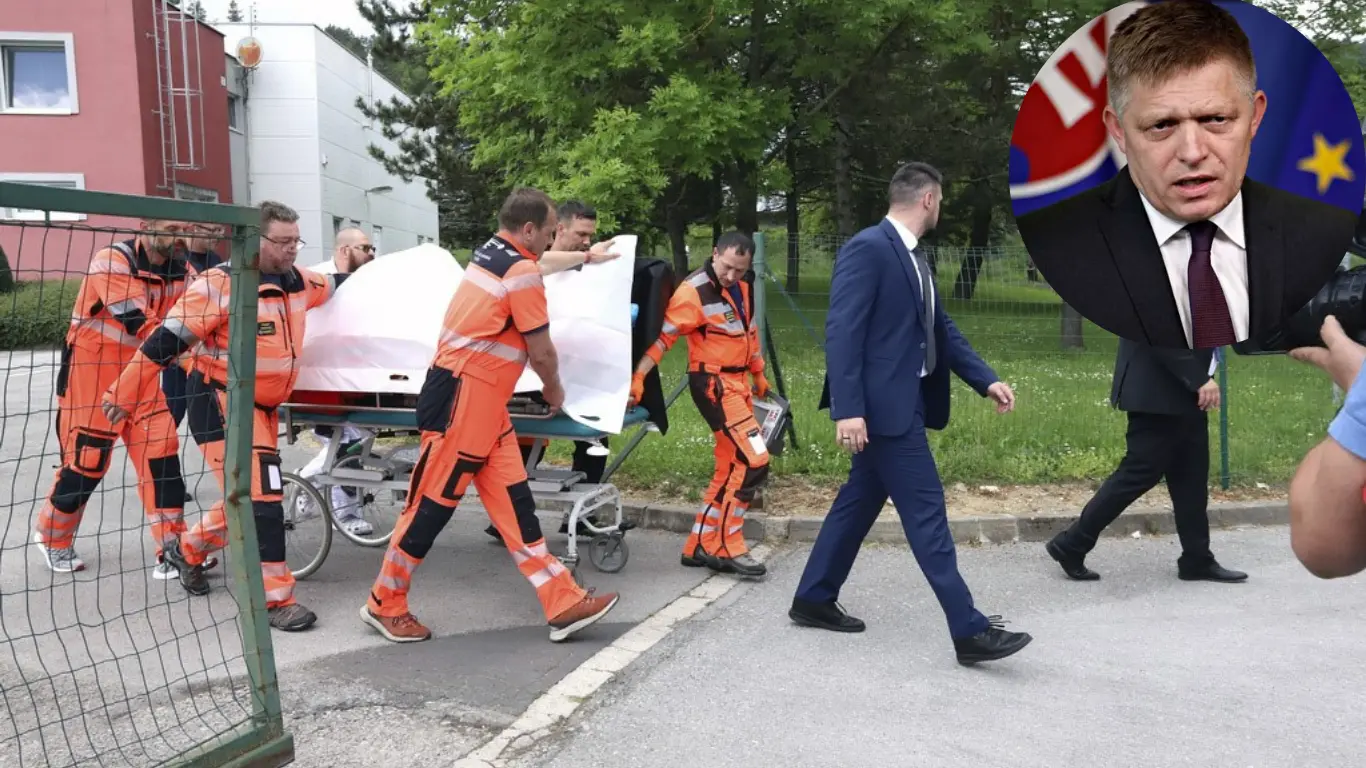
(114, 139)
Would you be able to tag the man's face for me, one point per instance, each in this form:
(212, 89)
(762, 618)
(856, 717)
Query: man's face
(729, 266)
(576, 234)
(202, 237)
(538, 239)
(280, 245)
(357, 252)
(1188, 140)
(165, 238)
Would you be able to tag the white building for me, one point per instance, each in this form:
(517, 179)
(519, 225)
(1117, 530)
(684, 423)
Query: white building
(305, 144)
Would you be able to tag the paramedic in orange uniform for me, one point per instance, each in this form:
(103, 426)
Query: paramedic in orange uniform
(199, 322)
(714, 310)
(127, 289)
(495, 323)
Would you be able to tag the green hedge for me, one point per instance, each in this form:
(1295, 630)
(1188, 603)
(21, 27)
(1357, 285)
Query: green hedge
(36, 314)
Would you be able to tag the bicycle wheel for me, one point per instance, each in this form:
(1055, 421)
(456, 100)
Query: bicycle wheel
(379, 508)
(307, 526)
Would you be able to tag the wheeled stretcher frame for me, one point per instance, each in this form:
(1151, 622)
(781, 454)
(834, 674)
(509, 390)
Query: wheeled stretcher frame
(607, 548)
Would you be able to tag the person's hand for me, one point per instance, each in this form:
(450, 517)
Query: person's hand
(1208, 395)
(1004, 397)
(553, 394)
(851, 434)
(113, 413)
(1341, 360)
(601, 252)
(761, 387)
(637, 391)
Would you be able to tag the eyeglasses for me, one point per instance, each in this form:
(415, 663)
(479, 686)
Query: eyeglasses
(292, 242)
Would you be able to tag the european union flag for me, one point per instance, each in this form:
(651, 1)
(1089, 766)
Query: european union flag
(1309, 142)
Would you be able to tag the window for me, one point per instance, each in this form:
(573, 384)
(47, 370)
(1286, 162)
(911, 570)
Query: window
(37, 73)
(337, 222)
(375, 239)
(234, 103)
(62, 180)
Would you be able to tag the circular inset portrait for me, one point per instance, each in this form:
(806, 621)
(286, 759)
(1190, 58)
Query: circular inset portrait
(1187, 173)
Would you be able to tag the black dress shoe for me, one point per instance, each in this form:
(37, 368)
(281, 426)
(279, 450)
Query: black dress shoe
(823, 616)
(1210, 572)
(1074, 567)
(991, 644)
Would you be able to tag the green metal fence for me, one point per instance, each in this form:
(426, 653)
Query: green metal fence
(109, 666)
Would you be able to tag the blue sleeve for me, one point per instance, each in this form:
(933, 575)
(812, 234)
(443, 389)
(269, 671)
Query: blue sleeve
(963, 359)
(853, 287)
(1349, 426)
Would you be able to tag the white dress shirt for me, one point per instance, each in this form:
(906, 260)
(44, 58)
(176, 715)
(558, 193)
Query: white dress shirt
(908, 237)
(1228, 256)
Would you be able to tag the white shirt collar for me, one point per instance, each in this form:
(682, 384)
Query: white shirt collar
(1229, 221)
(907, 236)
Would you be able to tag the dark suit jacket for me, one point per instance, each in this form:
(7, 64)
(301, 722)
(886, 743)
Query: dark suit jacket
(1158, 380)
(1098, 252)
(875, 340)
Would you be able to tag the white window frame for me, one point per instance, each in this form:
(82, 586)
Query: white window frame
(27, 214)
(31, 39)
(236, 113)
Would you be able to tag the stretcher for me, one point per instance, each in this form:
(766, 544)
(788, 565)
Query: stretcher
(366, 471)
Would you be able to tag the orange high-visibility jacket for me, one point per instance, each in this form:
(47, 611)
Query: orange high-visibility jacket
(122, 298)
(199, 323)
(719, 340)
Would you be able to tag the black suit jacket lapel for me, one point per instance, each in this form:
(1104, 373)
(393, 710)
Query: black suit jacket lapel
(1138, 259)
(1264, 236)
(904, 259)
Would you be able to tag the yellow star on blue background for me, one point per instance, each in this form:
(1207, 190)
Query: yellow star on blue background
(1328, 163)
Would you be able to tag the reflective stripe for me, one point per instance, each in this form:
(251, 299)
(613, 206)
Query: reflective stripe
(732, 326)
(109, 329)
(120, 307)
(698, 280)
(392, 583)
(274, 364)
(298, 303)
(715, 309)
(670, 328)
(522, 282)
(178, 327)
(491, 285)
(488, 347)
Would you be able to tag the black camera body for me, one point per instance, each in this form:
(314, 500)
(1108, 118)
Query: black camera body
(1343, 297)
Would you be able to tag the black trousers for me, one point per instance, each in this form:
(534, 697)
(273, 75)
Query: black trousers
(591, 466)
(1158, 446)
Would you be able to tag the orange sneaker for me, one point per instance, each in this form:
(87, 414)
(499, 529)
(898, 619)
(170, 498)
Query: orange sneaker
(581, 614)
(399, 629)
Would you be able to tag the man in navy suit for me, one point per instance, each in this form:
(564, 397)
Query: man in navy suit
(889, 348)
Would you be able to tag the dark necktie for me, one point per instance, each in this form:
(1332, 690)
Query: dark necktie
(926, 312)
(1211, 325)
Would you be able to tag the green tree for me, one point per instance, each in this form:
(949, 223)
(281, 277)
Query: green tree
(234, 12)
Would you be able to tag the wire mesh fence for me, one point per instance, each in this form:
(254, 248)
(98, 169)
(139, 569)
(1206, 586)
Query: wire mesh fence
(1063, 431)
(106, 659)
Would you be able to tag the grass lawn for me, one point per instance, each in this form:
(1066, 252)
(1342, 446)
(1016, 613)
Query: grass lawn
(1063, 429)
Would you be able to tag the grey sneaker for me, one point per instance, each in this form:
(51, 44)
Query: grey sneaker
(63, 560)
(291, 618)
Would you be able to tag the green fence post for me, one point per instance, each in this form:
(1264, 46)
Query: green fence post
(1223, 419)
(760, 298)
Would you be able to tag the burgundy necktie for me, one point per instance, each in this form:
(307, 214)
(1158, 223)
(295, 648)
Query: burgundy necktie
(1211, 325)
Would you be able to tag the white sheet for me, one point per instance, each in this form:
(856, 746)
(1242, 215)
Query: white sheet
(379, 332)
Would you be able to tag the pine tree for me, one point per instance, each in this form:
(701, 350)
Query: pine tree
(234, 12)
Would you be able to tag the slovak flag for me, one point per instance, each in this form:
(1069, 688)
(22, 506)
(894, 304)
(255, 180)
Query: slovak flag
(1309, 141)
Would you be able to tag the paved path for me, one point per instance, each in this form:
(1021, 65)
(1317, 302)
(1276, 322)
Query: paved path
(1136, 669)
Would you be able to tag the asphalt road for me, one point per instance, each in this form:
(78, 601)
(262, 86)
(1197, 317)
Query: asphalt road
(110, 667)
(1136, 669)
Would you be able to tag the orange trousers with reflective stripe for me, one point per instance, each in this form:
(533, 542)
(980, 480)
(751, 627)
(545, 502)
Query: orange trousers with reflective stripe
(210, 534)
(725, 402)
(87, 444)
(478, 446)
